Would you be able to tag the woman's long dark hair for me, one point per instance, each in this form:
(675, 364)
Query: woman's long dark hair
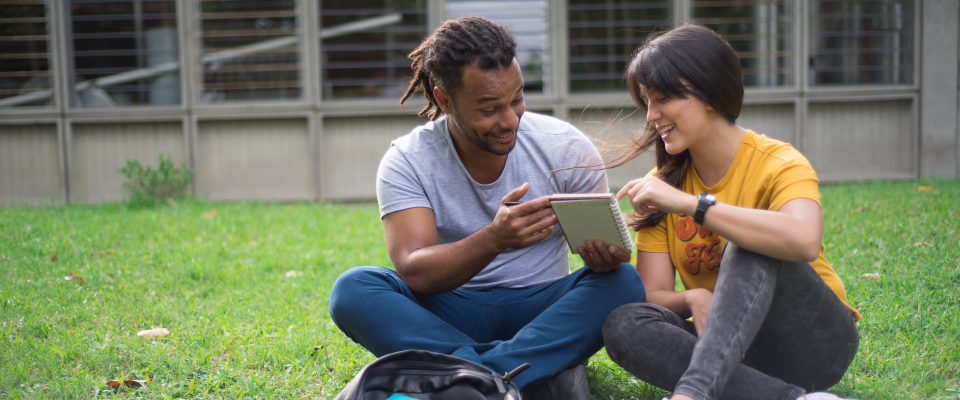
(711, 67)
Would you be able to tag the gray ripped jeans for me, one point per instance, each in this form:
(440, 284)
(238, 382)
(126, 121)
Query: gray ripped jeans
(774, 331)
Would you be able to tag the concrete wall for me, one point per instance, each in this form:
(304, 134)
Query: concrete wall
(264, 158)
(97, 149)
(351, 151)
(254, 159)
(30, 167)
(857, 140)
(939, 101)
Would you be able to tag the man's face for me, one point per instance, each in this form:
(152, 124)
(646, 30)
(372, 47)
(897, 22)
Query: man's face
(487, 107)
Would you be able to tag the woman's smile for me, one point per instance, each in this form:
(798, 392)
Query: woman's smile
(666, 130)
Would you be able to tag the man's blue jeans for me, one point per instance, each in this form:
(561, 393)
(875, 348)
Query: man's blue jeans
(553, 327)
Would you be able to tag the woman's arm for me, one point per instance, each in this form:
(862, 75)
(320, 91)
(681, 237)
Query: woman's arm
(659, 277)
(793, 233)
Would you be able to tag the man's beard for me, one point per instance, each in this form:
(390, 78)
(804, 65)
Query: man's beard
(477, 139)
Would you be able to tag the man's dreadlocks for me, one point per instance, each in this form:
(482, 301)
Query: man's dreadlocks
(440, 58)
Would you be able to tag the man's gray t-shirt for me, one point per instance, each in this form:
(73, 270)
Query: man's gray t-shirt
(422, 169)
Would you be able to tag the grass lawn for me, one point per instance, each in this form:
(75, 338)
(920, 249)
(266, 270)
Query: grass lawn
(243, 289)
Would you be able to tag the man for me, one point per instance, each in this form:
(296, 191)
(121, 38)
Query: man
(476, 278)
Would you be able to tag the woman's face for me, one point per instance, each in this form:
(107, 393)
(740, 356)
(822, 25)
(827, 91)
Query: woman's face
(682, 123)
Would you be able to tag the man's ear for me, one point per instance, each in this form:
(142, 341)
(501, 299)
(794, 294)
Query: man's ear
(443, 99)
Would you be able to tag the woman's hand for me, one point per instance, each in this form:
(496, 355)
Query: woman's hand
(651, 195)
(698, 302)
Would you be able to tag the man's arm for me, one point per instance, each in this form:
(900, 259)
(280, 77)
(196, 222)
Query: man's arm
(430, 268)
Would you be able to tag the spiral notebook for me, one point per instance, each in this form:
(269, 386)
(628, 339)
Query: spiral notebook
(591, 216)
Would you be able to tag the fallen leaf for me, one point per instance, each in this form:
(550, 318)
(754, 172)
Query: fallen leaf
(873, 275)
(210, 213)
(859, 209)
(925, 188)
(293, 274)
(155, 333)
(105, 253)
(131, 383)
(74, 276)
(53, 258)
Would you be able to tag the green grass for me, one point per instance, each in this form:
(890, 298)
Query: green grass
(240, 327)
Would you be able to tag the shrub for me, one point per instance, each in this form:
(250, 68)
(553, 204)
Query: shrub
(150, 185)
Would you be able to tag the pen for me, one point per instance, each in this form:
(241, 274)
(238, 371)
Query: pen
(512, 203)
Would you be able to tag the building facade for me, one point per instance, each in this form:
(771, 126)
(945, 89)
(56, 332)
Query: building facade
(298, 99)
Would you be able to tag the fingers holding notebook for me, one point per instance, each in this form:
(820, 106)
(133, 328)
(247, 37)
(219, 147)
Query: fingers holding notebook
(601, 257)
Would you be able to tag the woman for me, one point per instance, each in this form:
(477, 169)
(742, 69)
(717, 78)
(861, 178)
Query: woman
(738, 216)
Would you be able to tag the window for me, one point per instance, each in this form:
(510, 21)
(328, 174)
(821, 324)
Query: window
(24, 55)
(365, 45)
(528, 19)
(760, 31)
(250, 50)
(861, 42)
(603, 34)
(123, 53)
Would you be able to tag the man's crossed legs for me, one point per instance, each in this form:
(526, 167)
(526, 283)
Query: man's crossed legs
(553, 326)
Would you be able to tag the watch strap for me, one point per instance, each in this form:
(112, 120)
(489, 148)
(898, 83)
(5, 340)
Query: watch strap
(704, 201)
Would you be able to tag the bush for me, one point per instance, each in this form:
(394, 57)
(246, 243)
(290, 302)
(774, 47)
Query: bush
(148, 186)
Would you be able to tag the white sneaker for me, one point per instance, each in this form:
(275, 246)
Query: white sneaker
(822, 396)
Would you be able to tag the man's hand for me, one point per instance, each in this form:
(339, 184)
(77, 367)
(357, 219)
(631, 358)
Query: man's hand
(600, 257)
(522, 225)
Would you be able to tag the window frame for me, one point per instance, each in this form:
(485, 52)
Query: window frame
(192, 15)
(583, 99)
(799, 53)
(66, 67)
(560, 99)
(872, 87)
(54, 57)
(801, 42)
(434, 18)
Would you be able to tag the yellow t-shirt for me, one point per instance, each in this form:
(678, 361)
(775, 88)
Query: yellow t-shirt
(765, 174)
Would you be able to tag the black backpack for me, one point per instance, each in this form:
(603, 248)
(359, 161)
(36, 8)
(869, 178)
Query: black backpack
(426, 375)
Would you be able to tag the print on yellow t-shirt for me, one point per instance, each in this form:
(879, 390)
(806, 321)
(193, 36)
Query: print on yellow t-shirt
(703, 247)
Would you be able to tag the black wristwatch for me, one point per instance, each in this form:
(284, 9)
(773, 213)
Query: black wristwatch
(704, 201)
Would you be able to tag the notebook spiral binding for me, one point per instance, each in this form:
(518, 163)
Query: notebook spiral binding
(622, 226)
